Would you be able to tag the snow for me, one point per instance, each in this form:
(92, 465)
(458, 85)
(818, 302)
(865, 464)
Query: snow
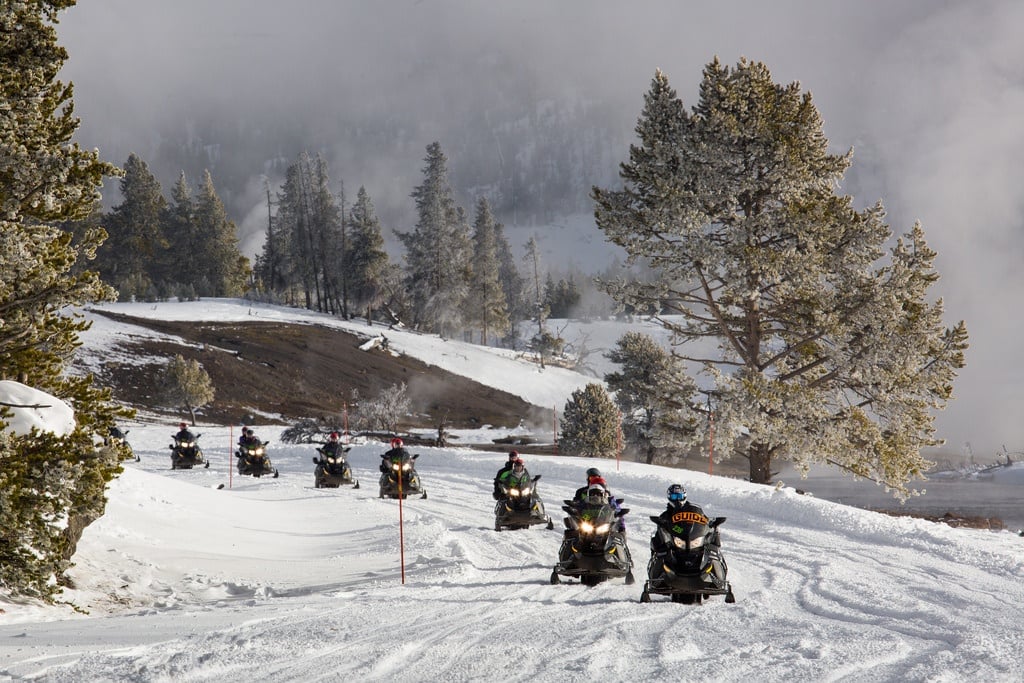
(34, 409)
(272, 579)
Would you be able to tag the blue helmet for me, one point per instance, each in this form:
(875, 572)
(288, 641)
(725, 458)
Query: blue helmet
(676, 493)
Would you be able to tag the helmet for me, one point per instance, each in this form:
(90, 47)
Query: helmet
(597, 481)
(676, 493)
(512, 455)
(593, 472)
(597, 495)
(182, 425)
(334, 436)
(397, 443)
(248, 431)
(517, 464)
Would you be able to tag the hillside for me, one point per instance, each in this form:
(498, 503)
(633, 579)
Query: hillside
(278, 372)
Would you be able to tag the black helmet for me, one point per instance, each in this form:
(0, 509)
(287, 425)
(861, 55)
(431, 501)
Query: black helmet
(247, 431)
(676, 493)
(593, 472)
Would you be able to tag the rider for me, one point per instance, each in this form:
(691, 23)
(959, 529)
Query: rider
(677, 502)
(397, 451)
(582, 494)
(333, 446)
(248, 439)
(515, 476)
(512, 455)
(183, 434)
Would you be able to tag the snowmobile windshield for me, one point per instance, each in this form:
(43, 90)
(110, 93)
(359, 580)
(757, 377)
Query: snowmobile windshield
(596, 519)
(688, 527)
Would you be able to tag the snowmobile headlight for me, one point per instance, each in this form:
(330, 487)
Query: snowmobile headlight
(513, 492)
(526, 491)
(332, 461)
(679, 542)
(586, 527)
(396, 467)
(259, 451)
(603, 529)
(188, 444)
(697, 542)
(407, 466)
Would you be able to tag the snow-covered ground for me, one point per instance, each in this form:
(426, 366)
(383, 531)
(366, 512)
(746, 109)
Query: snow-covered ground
(272, 579)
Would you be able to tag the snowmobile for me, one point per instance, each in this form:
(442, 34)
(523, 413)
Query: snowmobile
(594, 549)
(519, 507)
(400, 472)
(118, 439)
(254, 460)
(686, 558)
(333, 470)
(187, 454)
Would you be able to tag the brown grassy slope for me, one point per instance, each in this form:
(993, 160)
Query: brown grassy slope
(262, 369)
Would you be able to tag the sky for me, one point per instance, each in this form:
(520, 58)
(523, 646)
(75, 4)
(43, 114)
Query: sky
(202, 575)
(928, 93)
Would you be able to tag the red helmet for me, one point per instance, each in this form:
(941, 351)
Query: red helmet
(517, 464)
(334, 436)
(597, 481)
(397, 443)
(512, 455)
(182, 425)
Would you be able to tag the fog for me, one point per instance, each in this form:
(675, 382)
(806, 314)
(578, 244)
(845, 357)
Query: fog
(930, 95)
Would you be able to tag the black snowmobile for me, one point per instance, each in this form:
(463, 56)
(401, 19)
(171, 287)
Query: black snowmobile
(333, 470)
(399, 473)
(253, 460)
(593, 548)
(686, 558)
(118, 440)
(520, 507)
(187, 454)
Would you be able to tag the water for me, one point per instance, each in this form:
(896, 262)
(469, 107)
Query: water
(1001, 496)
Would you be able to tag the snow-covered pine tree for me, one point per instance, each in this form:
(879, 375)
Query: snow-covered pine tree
(818, 349)
(187, 385)
(590, 424)
(512, 283)
(182, 237)
(51, 486)
(487, 308)
(131, 257)
(437, 251)
(368, 266)
(645, 390)
(218, 258)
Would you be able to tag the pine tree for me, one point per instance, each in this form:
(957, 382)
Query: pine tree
(187, 385)
(512, 283)
(182, 236)
(645, 390)
(368, 266)
(486, 302)
(734, 207)
(137, 243)
(590, 424)
(217, 260)
(51, 487)
(437, 251)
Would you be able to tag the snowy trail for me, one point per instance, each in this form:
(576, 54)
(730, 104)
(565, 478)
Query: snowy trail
(273, 579)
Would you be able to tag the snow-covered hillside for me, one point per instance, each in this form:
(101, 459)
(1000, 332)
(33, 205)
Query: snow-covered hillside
(273, 579)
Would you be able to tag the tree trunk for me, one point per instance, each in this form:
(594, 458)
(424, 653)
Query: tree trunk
(760, 463)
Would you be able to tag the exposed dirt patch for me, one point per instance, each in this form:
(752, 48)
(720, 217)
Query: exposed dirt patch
(261, 370)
